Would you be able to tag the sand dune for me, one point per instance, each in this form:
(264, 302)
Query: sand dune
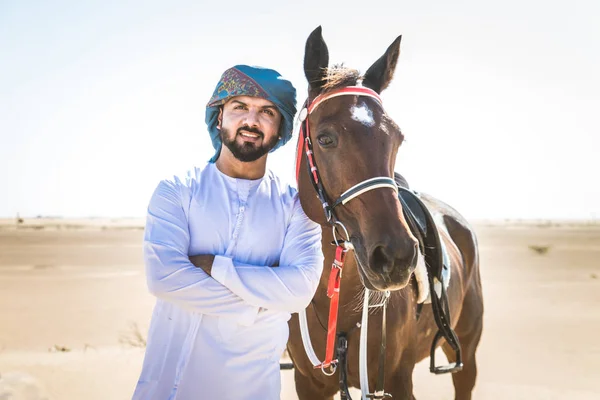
(74, 311)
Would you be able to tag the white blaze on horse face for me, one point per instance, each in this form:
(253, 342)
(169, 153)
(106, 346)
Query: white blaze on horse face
(363, 114)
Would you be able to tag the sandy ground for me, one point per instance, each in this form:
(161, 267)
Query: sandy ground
(73, 305)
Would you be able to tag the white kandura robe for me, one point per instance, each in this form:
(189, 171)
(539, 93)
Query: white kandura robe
(221, 337)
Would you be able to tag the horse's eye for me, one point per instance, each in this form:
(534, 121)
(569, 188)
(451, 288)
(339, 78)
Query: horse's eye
(325, 140)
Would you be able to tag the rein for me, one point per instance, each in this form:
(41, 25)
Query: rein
(343, 246)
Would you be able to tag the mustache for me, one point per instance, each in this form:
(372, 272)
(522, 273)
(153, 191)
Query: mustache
(249, 129)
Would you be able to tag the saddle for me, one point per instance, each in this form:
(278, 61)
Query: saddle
(423, 227)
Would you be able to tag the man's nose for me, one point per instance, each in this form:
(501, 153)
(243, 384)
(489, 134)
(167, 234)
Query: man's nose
(252, 118)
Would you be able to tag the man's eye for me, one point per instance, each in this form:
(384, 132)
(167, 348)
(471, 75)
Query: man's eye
(238, 107)
(269, 112)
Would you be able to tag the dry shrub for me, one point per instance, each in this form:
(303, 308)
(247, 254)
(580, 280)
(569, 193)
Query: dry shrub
(59, 349)
(539, 249)
(133, 337)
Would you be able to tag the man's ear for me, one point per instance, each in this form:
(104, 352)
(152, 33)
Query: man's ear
(220, 118)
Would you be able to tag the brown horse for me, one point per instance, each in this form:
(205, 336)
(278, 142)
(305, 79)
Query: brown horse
(354, 140)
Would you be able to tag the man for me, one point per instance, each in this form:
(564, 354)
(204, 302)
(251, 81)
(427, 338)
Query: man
(229, 254)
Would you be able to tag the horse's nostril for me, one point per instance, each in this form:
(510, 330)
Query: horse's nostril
(380, 261)
(385, 259)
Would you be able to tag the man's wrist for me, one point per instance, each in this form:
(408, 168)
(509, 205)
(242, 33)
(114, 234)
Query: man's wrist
(203, 261)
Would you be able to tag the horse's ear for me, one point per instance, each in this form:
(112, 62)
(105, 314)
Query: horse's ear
(380, 74)
(316, 60)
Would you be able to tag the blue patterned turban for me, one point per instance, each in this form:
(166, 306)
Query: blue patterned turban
(243, 80)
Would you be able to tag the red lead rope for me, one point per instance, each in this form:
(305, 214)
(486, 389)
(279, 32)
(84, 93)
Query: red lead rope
(333, 292)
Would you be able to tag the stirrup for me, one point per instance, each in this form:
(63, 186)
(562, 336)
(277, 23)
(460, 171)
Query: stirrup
(379, 396)
(444, 369)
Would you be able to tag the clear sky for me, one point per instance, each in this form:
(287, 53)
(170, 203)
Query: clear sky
(499, 101)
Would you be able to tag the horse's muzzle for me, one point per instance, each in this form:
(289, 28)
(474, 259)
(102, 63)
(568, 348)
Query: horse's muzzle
(390, 267)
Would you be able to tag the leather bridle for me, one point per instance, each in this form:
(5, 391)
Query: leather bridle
(343, 246)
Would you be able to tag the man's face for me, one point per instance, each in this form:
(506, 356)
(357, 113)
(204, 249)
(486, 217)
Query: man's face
(249, 127)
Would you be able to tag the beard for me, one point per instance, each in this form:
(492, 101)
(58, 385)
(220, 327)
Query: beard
(247, 151)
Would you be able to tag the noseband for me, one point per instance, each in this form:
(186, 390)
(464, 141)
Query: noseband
(315, 177)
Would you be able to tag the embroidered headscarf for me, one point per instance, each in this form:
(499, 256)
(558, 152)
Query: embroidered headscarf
(243, 80)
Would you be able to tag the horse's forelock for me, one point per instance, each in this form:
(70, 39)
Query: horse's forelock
(339, 76)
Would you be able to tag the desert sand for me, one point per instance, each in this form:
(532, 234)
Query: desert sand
(74, 311)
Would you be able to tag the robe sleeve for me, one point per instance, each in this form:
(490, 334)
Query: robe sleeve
(288, 287)
(170, 274)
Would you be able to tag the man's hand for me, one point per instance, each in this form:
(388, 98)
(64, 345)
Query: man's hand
(204, 261)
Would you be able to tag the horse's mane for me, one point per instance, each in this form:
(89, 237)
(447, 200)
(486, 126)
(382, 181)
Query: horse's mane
(338, 76)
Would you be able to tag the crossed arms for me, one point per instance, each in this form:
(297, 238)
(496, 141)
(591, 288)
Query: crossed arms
(217, 285)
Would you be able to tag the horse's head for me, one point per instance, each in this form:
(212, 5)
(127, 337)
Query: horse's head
(354, 140)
